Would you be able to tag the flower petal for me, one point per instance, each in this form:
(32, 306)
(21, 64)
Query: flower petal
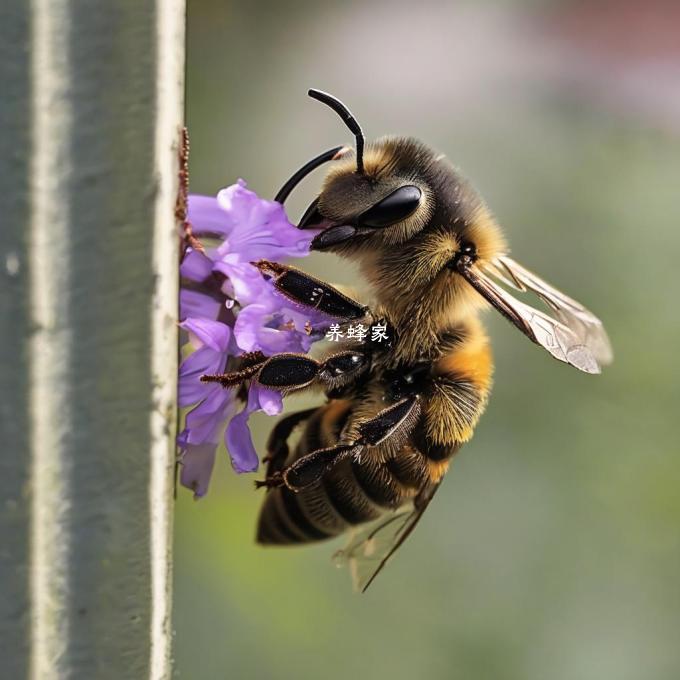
(197, 464)
(260, 229)
(248, 322)
(248, 284)
(270, 401)
(195, 266)
(239, 444)
(206, 216)
(204, 422)
(213, 334)
(204, 360)
(195, 304)
(252, 333)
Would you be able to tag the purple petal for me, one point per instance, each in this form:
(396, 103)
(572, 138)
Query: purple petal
(205, 421)
(183, 439)
(303, 317)
(207, 332)
(261, 229)
(248, 321)
(195, 304)
(247, 283)
(204, 360)
(274, 341)
(252, 334)
(195, 266)
(239, 444)
(206, 216)
(253, 403)
(270, 401)
(197, 466)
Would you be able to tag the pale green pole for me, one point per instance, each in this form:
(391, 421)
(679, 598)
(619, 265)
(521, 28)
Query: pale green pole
(91, 109)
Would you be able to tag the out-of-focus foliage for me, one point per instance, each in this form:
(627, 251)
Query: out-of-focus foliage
(553, 549)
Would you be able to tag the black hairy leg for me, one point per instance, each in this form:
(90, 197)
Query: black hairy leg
(289, 371)
(277, 444)
(394, 422)
(309, 291)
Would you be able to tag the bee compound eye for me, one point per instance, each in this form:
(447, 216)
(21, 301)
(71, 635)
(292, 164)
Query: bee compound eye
(394, 208)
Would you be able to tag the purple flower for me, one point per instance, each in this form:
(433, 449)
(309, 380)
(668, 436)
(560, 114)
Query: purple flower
(252, 228)
(237, 436)
(227, 308)
(198, 441)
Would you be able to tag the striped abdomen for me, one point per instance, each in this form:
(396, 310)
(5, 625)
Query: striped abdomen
(351, 493)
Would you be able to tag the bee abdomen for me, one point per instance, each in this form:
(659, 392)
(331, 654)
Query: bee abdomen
(331, 506)
(378, 483)
(346, 496)
(353, 492)
(321, 511)
(410, 468)
(283, 521)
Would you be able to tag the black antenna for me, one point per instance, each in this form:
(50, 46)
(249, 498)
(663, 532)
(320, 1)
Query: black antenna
(349, 120)
(322, 158)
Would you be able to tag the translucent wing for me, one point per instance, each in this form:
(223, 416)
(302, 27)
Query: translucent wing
(372, 545)
(575, 337)
(587, 327)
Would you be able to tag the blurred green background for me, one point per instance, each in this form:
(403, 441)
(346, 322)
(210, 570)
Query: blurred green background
(553, 548)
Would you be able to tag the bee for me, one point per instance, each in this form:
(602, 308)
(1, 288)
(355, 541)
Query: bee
(398, 406)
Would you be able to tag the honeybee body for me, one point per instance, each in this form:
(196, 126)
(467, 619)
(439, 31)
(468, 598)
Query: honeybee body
(432, 254)
(451, 378)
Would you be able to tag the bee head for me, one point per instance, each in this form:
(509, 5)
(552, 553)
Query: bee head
(389, 192)
(387, 204)
(373, 195)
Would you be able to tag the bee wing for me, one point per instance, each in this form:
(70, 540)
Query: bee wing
(575, 337)
(371, 546)
(586, 326)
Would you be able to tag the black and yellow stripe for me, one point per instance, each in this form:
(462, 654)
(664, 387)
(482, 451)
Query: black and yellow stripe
(353, 492)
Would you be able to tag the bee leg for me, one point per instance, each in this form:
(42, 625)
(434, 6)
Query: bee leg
(311, 468)
(270, 481)
(308, 469)
(283, 372)
(394, 421)
(309, 291)
(288, 372)
(277, 444)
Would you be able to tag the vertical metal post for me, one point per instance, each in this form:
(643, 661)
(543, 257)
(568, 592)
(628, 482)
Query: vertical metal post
(14, 331)
(91, 112)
